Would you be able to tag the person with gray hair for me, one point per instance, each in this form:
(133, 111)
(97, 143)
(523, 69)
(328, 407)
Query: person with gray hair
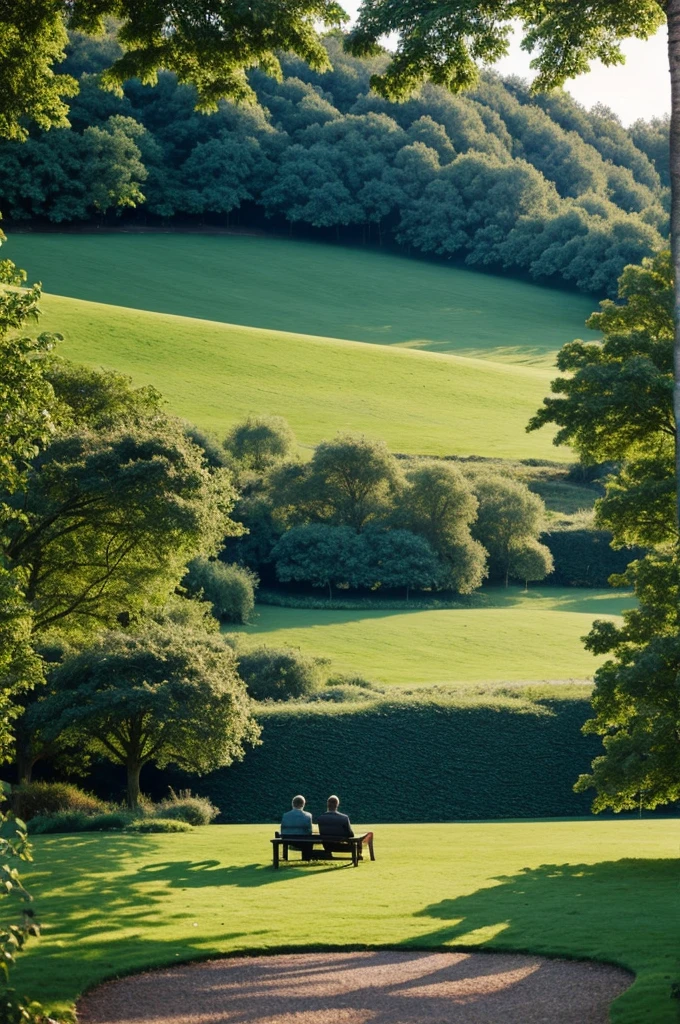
(298, 822)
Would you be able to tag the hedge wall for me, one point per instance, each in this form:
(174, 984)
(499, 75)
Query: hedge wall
(584, 558)
(424, 760)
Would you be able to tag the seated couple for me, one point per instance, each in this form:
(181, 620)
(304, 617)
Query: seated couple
(298, 821)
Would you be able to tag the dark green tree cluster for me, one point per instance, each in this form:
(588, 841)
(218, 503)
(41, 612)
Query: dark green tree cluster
(498, 177)
(354, 516)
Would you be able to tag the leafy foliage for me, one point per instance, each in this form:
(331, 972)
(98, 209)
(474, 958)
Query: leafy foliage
(229, 588)
(637, 698)
(446, 45)
(40, 798)
(272, 674)
(616, 403)
(509, 521)
(162, 695)
(185, 806)
(260, 441)
(14, 846)
(208, 45)
(498, 177)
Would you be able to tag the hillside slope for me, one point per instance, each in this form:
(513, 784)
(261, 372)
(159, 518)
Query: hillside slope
(311, 288)
(215, 374)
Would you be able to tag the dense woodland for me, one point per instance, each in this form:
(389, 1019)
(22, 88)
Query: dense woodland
(497, 177)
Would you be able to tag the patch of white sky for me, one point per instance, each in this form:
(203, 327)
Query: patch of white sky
(640, 88)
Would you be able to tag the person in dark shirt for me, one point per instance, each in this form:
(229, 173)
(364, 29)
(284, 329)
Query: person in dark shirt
(333, 823)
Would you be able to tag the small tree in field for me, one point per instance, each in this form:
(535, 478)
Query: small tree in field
(164, 695)
(509, 521)
(260, 441)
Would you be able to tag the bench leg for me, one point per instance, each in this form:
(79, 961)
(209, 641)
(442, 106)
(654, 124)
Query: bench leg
(285, 851)
(355, 855)
(275, 855)
(370, 848)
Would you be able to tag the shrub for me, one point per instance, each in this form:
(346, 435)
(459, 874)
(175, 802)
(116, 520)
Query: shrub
(62, 821)
(341, 694)
(110, 822)
(229, 588)
(340, 679)
(272, 674)
(195, 810)
(49, 798)
(159, 825)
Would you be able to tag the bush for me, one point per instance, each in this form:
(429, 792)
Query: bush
(112, 821)
(340, 679)
(195, 810)
(229, 588)
(63, 821)
(272, 674)
(341, 694)
(159, 825)
(49, 798)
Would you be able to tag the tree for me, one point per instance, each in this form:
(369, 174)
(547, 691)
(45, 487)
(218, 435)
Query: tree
(230, 589)
(355, 480)
(321, 555)
(509, 520)
(261, 441)
(438, 504)
(446, 42)
(530, 561)
(615, 404)
(211, 45)
(107, 521)
(26, 398)
(162, 695)
(637, 700)
(398, 558)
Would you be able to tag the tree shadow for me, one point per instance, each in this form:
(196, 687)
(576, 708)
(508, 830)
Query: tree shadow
(619, 912)
(189, 874)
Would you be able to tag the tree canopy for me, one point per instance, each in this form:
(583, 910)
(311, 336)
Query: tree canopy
(161, 694)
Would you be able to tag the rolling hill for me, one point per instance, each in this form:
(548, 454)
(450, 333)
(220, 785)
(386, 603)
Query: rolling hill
(214, 374)
(311, 288)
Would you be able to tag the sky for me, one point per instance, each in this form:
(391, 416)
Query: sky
(639, 88)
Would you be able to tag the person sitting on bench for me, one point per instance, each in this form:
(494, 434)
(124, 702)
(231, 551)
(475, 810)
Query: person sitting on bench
(298, 822)
(332, 823)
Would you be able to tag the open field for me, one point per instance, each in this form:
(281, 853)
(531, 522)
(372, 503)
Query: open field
(112, 904)
(215, 374)
(310, 288)
(507, 635)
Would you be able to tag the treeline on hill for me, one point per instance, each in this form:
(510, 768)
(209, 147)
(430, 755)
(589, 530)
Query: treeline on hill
(497, 177)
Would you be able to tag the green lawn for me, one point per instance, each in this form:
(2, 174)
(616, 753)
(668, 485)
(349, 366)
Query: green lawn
(308, 287)
(214, 374)
(505, 636)
(605, 890)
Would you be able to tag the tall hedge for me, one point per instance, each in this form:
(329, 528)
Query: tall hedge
(424, 760)
(584, 558)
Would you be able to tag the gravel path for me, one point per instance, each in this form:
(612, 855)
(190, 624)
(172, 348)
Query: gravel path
(363, 988)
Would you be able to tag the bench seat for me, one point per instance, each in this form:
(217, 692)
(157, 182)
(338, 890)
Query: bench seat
(280, 844)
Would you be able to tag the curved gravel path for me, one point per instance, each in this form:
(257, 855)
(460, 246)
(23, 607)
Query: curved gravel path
(363, 988)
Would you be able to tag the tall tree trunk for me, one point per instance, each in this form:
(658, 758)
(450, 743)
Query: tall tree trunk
(673, 15)
(133, 791)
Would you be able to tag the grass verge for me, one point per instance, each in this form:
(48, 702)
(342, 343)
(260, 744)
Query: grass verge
(604, 890)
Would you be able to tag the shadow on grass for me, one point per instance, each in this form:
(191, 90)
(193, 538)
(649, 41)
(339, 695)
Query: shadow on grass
(622, 912)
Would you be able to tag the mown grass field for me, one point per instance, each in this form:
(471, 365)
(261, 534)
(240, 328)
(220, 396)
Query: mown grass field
(310, 288)
(112, 904)
(214, 374)
(504, 636)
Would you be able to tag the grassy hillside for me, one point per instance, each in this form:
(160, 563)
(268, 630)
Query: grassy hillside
(310, 288)
(505, 636)
(214, 374)
(112, 904)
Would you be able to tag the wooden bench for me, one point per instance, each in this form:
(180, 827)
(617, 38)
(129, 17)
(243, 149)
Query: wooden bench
(280, 844)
